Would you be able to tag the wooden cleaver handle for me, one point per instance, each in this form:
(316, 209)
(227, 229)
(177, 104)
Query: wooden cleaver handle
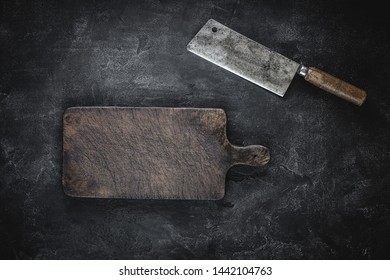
(255, 155)
(335, 86)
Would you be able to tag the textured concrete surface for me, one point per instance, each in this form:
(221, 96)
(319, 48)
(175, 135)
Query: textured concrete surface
(324, 195)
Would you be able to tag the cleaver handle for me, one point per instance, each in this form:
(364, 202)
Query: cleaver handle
(333, 85)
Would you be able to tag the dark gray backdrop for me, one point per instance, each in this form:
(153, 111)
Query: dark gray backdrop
(324, 194)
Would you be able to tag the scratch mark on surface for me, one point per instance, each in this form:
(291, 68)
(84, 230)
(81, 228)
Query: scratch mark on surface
(233, 12)
(39, 174)
(142, 42)
(220, 8)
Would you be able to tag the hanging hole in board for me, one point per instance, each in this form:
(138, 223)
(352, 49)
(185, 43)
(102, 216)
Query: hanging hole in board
(214, 29)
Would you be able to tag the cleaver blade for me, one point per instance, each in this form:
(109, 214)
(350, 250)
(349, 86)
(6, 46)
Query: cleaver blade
(262, 66)
(244, 57)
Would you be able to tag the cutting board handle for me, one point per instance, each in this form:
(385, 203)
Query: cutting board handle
(333, 85)
(254, 155)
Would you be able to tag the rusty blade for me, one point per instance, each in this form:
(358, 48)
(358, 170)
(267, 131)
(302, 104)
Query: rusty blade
(244, 57)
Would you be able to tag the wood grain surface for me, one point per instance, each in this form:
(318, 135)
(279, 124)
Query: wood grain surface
(150, 153)
(336, 86)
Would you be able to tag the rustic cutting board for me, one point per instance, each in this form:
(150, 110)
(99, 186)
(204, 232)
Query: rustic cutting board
(150, 153)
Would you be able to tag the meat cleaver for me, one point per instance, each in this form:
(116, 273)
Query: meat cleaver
(262, 66)
(150, 153)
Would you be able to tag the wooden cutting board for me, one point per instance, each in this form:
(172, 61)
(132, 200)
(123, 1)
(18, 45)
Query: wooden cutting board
(150, 153)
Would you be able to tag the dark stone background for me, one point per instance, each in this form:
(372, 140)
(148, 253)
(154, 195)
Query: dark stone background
(325, 193)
